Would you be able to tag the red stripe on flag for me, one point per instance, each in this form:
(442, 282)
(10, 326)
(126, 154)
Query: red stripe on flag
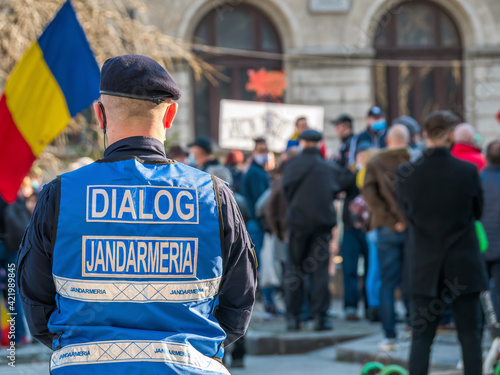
(16, 156)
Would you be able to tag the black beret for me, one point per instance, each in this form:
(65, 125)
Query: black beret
(137, 77)
(311, 135)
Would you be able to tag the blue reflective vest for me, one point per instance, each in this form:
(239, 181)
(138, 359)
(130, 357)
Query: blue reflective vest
(137, 264)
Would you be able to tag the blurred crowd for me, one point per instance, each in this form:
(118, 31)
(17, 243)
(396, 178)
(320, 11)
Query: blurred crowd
(311, 212)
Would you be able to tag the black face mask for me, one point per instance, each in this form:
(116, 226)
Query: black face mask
(103, 123)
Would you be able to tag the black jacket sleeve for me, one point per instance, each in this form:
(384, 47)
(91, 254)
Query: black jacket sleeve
(478, 198)
(239, 278)
(36, 286)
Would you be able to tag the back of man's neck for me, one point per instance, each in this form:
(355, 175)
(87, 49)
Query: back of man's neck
(431, 144)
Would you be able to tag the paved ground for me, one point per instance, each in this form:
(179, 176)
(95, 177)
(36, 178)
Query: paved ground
(270, 348)
(319, 362)
(445, 350)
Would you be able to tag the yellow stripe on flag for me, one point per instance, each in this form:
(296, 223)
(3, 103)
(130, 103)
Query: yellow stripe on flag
(36, 101)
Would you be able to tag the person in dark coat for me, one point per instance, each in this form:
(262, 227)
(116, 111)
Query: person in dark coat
(253, 184)
(490, 177)
(375, 132)
(354, 244)
(354, 241)
(441, 197)
(343, 128)
(16, 218)
(310, 185)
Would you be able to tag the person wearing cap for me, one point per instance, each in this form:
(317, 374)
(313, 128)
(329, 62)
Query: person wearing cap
(136, 263)
(375, 132)
(310, 185)
(201, 152)
(343, 128)
(353, 244)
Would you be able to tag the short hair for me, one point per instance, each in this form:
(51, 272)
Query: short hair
(300, 119)
(464, 133)
(123, 108)
(399, 133)
(493, 152)
(259, 140)
(440, 124)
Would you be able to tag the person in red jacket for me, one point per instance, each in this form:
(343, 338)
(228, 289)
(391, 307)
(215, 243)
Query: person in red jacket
(465, 147)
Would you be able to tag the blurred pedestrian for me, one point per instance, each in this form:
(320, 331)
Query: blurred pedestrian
(17, 217)
(441, 197)
(310, 184)
(415, 144)
(179, 154)
(234, 162)
(277, 205)
(343, 128)
(238, 350)
(375, 132)
(465, 147)
(254, 183)
(490, 177)
(301, 125)
(201, 153)
(355, 244)
(36, 177)
(379, 191)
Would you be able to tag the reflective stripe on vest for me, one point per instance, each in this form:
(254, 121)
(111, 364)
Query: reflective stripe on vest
(137, 291)
(102, 352)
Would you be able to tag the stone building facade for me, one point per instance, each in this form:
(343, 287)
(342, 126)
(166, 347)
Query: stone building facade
(345, 55)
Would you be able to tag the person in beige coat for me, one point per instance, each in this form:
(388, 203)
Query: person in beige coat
(379, 191)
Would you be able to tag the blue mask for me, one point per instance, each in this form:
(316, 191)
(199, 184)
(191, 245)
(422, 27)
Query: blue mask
(261, 159)
(379, 125)
(191, 160)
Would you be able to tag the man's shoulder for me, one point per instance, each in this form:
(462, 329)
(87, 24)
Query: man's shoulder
(251, 172)
(462, 165)
(51, 186)
(363, 135)
(411, 169)
(382, 156)
(329, 165)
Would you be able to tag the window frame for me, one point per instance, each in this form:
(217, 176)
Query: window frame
(234, 63)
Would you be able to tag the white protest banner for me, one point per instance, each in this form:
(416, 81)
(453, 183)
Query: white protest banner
(240, 122)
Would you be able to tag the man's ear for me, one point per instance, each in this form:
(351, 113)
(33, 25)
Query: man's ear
(170, 115)
(424, 134)
(99, 115)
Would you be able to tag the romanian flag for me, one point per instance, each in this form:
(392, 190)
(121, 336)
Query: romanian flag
(56, 78)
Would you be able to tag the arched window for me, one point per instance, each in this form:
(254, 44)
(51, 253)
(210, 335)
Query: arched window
(237, 27)
(413, 31)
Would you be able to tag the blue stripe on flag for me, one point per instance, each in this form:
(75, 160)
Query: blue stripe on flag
(70, 59)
